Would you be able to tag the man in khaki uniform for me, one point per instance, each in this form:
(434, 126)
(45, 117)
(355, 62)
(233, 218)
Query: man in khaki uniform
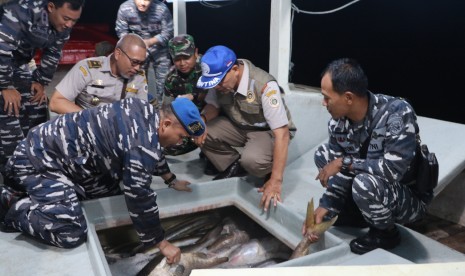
(254, 116)
(102, 80)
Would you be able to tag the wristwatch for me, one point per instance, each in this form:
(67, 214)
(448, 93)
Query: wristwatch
(346, 162)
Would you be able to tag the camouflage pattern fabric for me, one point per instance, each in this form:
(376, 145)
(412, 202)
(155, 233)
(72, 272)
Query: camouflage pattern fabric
(181, 45)
(157, 22)
(375, 183)
(67, 159)
(24, 27)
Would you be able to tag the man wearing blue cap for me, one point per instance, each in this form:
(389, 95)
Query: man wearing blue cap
(65, 160)
(255, 117)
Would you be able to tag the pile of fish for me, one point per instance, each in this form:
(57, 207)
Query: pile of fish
(209, 240)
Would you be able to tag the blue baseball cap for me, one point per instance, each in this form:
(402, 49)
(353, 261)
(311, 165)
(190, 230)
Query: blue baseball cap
(188, 115)
(215, 63)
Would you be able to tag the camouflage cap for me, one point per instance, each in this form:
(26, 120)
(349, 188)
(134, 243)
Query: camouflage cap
(181, 45)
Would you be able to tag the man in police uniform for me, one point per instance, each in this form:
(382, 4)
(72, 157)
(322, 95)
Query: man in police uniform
(255, 117)
(152, 20)
(101, 80)
(63, 161)
(27, 25)
(181, 81)
(372, 142)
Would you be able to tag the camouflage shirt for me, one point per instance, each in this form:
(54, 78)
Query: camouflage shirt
(179, 84)
(119, 139)
(155, 22)
(391, 145)
(24, 26)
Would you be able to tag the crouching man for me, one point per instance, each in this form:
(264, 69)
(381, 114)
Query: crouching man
(64, 160)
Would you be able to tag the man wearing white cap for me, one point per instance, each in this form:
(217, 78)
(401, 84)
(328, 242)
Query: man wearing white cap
(253, 116)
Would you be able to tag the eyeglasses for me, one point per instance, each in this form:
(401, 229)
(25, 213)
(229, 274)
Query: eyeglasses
(134, 62)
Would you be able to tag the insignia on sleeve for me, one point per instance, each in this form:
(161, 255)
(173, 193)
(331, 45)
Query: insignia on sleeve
(395, 125)
(250, 96)
(270, 93)
(83, 70)
(131, 88)
(274, 102)
(94, 64)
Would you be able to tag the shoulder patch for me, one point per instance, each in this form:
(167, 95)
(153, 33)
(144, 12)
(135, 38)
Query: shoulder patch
(83, 70)
(94, 64)
(274, 102)
(395, 125)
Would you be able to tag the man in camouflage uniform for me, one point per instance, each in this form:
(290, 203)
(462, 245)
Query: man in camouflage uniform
(181, 81)
(27, 25)
(151, 20)
(63, 160)
(372, 142)
(254, 116)
(101, 80)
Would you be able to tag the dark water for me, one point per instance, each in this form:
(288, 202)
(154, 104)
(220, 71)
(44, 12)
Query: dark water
(414, 49)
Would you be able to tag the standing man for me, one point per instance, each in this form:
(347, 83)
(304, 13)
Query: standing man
(181, 81)
(151, 20)
(27, 25)
(102, 80)
(372, 142)
(254, 116)
(64, 160)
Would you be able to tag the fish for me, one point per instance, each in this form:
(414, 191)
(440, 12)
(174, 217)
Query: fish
(188, 262)
(256, 251)
(205, 241)
(302, 248)
(228, 240)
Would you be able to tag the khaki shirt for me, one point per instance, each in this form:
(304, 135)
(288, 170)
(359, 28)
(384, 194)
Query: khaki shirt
(92, 78)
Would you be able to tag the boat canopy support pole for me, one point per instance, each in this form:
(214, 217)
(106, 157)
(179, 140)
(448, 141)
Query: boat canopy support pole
(280, 41)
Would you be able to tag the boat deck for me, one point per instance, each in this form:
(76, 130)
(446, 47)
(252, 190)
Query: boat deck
(428, 245)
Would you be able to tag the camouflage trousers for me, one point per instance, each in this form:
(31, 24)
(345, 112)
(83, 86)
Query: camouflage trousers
(161, 64)
(13, 129)
(51, 211)
(381, 203)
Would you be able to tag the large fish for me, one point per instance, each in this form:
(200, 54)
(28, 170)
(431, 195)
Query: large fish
(188, 262)
(228, 240)
(256, 251)
(312, 228)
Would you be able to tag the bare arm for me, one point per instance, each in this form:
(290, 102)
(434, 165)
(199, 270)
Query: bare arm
(61, 105)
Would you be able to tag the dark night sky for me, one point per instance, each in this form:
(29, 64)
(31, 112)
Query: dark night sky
(414, 49)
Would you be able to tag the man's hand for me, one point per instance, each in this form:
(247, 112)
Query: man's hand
(181, 185)
(330, 169)
(12, 101)
(171, 252)
(320, 212)
(39, 93)
(271, 191)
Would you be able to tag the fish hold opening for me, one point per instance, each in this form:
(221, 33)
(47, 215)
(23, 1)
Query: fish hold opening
(219, 238)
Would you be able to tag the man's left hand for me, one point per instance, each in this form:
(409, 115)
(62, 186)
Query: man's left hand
(181, 185)
(271, 191)
(39, 93)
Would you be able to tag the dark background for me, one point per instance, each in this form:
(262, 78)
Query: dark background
(414, 49)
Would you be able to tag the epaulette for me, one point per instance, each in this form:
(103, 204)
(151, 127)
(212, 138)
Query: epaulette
(141, 72)
(94, 63)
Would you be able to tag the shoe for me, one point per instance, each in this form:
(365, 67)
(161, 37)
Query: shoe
(234, 170)
(8, 197)
(210, 169)
(376, 238)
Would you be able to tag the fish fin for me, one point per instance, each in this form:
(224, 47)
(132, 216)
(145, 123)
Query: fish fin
(310, 218)
(320, 228)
